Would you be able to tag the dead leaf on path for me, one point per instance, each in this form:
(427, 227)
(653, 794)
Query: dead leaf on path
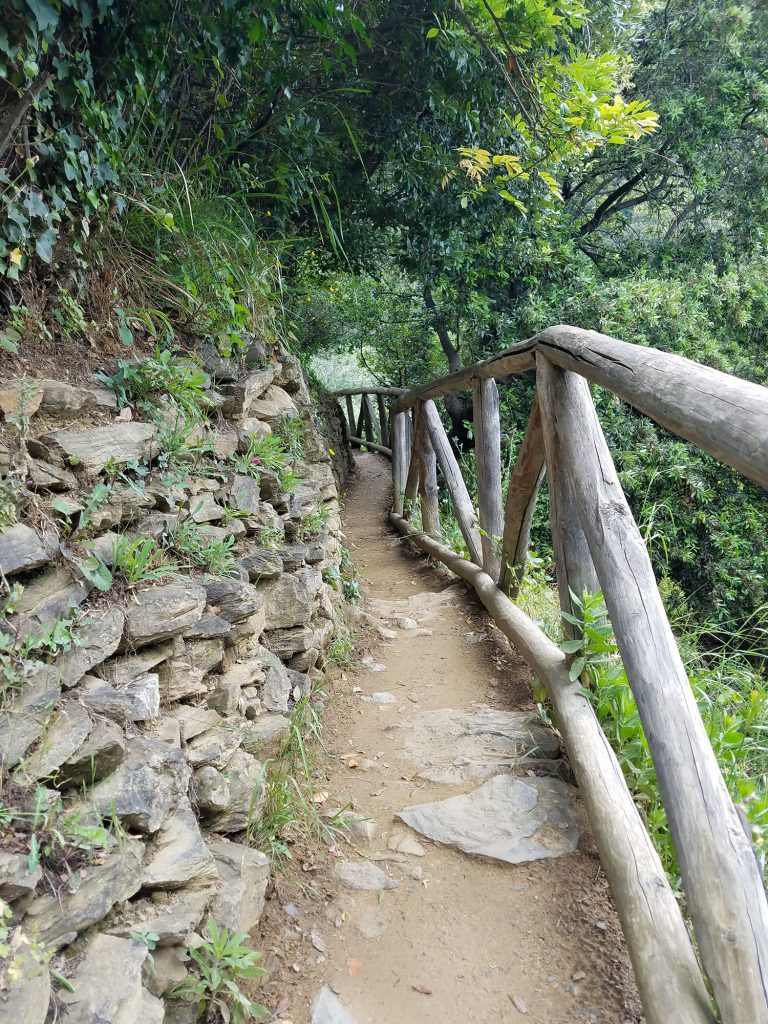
(320, 798)
(353, 966)
(296, 968)
(317, 939)
(282, 1006)
(425, 990)
(518, 1003)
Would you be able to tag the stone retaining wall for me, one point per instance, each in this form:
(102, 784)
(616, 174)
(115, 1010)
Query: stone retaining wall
(148, 736)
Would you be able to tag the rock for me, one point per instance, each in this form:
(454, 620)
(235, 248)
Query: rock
(363, 875)
(178, 856)
(44, 476)
(57, 921)
(120, 1000)
(137, 701)
(239, 396)
(294, 557)
(509, 819)
(277, 684)
(15, 877)
(103, 397)
(180, 678)
(164, 611)
(172, 920)
(23, 396)
(300, 683)
(65, 733)
(24, 722)
(98, 638)
(243, 874)
(245, 778)
(211, 790)
(287, 642)
(163, 972)
(151, 1010)
(370, 922)
(92, 449)
(193, 720)
(206, 653)
(21, 550)
(233, 600)
(51, 595)
(209, 626)
(215, 747)
(100, 755)
(224, 441)
(380, 697)
(403, 622)
(454, 747)
(249, 628)
(290, 600)
(225, 696)
(327, 1008)
(26, 1000)
(273, 405)
(244, 492)
(147, 786)
(261, 564)
(405, 844)
(265, 735)
(64, 400)
(205, 509)
(123, 670)
(248, 430)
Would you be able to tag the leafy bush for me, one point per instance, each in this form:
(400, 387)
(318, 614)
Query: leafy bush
(140, 560)
(156, 380)
(221, 963)
(732, 699)
(198, 548)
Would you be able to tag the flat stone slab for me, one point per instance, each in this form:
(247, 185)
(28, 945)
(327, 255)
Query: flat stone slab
(363, 876)
(508, 819)
(327, 1008)
(454, 747)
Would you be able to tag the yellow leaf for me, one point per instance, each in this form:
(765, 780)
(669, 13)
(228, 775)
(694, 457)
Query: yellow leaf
(15, 256)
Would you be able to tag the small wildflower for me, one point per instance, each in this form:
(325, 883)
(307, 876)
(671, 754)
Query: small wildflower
(255, 462)
(331, 451)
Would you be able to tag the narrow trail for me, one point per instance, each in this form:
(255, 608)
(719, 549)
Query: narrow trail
(461, 938)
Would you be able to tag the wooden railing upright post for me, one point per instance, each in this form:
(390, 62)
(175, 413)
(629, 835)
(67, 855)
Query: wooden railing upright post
(457, 489)
(383, 422)
(368, 420)
(401, 456)
(412, 477)
(524, 483)
(487, 433)
(350, 415)
(722, 880)
(428, 494)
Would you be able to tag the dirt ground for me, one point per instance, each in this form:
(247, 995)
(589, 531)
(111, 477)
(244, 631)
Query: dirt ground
(461, 939)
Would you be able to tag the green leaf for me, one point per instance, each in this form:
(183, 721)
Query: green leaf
(45, 15)
(577, 668)
(44, 245)
(433, 32)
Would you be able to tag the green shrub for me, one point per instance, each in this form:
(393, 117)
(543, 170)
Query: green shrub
(158, 380)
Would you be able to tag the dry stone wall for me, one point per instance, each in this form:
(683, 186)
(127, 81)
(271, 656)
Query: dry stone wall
(143, 741)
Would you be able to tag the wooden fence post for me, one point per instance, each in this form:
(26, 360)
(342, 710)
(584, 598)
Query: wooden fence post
(412, 478)
(462, 503)
(368, 421)
(488, 455)
(722, 881)
(524, 483)
(401, 456)
(383, 423)
(351, 415)
(430, 510)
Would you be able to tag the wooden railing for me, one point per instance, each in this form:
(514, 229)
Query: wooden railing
(598, 546)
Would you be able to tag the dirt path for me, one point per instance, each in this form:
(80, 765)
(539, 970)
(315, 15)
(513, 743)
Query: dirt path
(461, 938)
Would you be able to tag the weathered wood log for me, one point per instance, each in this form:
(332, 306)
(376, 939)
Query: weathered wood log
(358, 431)
(361, 442)
(487, 432)
(457, 489)
(722, 414)
(723, 885)
(387, 392)
(412, 479)
(350, 415)
(368, 419)
(383, 420)
(573, 562)
(665, 966)
(523, 490)
(401, 455)
(428, 495)
(517, 359)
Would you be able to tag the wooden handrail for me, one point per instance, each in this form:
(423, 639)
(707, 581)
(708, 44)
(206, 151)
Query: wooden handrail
(597, 544)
